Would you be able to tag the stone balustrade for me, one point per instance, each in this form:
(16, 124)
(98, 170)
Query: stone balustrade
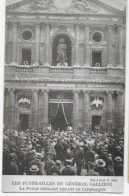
(61, 70)
(98, 70)
(24, 69)
(76, 72)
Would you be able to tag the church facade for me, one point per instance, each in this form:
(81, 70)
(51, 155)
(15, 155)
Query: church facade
(64, 65)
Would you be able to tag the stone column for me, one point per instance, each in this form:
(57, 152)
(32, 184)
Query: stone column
(109, 46)
(47, 53)
(40, 109)
(77, 45)
(109, 111)
(11, 109)
(37, 44)
(86, 110)
(34, 116)
(75, 110)
(6, 108)
(87, 48)
(120, 110)
(45, 108)
(14, 47)
(104, 115)
(120, 49)
(17, 119)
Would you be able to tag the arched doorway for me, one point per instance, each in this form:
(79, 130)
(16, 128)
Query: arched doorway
(96, 122)
(61, 39)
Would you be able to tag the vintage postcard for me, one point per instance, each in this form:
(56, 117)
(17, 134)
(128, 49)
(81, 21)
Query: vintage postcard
(64, 96)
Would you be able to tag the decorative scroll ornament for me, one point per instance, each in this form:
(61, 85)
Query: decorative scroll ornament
(39, 5)
(84, 5)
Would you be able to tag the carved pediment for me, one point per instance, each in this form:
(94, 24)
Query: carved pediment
(63, 6)
(84, 6)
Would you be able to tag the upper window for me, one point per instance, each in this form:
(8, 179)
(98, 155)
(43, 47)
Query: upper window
(96, 58)
(27, 35)
(26, 56)
(97, 36)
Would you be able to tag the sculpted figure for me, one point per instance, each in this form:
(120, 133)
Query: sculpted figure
(62, 52)
(40, 4)
(84, 6)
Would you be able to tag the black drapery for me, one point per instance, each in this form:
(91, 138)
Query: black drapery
(60, 114)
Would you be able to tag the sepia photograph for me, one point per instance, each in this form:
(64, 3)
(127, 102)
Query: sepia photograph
(64, 89)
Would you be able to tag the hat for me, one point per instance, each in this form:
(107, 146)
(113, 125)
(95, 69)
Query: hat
(39, 156)
(68, 161)
(119, 159)
(109, 155)
(118, 147)
(33, 151)
(100, 163)
(58, 163)
(34, 168)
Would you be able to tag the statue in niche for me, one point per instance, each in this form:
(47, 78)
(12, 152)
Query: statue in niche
(62, 53)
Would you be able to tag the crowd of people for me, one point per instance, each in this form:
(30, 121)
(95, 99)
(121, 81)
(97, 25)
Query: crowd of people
(69, 153)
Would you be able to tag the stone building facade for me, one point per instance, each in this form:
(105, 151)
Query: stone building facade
(87, 91)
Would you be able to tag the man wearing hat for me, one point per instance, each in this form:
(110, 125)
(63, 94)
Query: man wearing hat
(49, 163)
(68, 170)
(33, 170)
(89, 156)
(36, 161)
(100, 167)
(91, 171)
(55, 170)
(118, 166)
(79, 160)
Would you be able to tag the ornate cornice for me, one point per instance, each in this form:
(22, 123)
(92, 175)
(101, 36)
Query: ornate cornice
(77, 81)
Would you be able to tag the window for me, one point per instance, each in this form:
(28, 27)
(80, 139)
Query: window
(96, 58)
(97, 37)
(27, 35)
(26, 56)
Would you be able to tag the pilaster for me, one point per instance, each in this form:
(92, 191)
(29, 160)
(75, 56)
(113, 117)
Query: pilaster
(47, 53)
(109, 45)
(119, 110)
(45, 108)
(109, 111)
(11, 109)
(14, 43)
(34, 109)
(77, 45)
(75, 110)
(120, 49)
(86, 110)
(37, 44)
(87, 50)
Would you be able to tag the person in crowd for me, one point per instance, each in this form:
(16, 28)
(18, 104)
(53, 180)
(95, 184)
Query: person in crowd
(59, 152)
(56, 169)
(91, 171)
(49, 163)
(79, 160)
(100, 167)
(118, 166)
(68, 170)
